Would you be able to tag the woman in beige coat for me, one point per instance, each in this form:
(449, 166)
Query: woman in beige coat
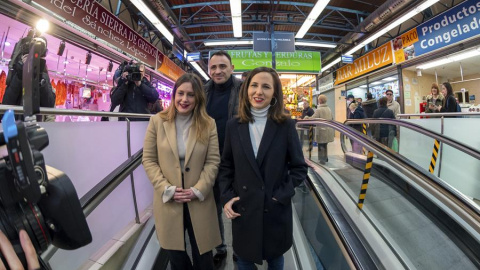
(181, 158)
(324, 134)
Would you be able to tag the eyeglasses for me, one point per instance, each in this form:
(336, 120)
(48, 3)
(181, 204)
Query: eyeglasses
(389, 94)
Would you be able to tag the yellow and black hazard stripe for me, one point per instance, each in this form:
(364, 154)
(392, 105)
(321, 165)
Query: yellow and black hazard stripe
(364, 129)
(310, 142)
(366, 177)
(433, 161)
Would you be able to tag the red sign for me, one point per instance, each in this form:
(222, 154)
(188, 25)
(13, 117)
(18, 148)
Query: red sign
(93, 17)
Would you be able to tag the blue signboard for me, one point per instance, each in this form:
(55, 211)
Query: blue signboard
(454, 25)
(347, 59)
(193, 56)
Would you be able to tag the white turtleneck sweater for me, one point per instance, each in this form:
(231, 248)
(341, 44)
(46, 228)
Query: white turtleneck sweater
(182, 126)
(257, 127)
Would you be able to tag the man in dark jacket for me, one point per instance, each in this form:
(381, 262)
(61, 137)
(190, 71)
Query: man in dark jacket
(384, 133)
(14, 94)
(369, 106)
(222, 104)
(134, 96)
(307, 110)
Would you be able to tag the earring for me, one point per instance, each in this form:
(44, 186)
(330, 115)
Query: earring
(275, 103)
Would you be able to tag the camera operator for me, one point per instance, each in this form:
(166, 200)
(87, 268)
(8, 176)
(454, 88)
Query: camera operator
(134, 92)
(13, 92)
(11, 257)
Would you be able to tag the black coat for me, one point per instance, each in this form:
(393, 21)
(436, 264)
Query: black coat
(135, 99)
(369, 106)
(264, 229)
(383, 130)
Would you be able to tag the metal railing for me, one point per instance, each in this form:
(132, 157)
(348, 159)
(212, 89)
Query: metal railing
(438, 115)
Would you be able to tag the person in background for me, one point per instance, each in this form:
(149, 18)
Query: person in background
(449, 103)
(245, 75)
(383, 133)
(434, 100)
(156, 107)
(181, 158)
(134, 96)
(9, 254)
(261, 165)
(369, 105)
(307, 111)
(323, 134)
(222, 105)
(392, 104)
(350, 98)
(357, 113)
(359, 101)
(14, 90)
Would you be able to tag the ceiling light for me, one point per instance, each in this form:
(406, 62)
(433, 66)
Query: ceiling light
(200, 70)
(312, 17)
(42, 26)
(89, 69)
(451, 58)
(376, 83)
(394, 24)
(389, 79)
(7, 43)
(288, 76)
(228, 42)
(316, 44)
(331, 64)
(108, 75)
(153, 19)
(363, 86)
(236, 11)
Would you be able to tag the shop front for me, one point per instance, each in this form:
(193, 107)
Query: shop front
(80, 68)
(298, 73)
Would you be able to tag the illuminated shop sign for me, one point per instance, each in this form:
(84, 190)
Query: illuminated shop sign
(298, 61)
(380, 57)
(96, 19)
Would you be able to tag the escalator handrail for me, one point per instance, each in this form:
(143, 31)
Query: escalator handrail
(440, 137)
(438, 115)
(100, 191)
(457, 201)
(54, 111)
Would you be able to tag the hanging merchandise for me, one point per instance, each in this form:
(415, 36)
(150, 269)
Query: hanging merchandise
(3, 85)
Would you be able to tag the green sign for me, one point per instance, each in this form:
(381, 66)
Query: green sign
(298, 61)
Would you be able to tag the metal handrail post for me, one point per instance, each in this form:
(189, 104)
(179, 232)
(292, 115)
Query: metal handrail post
(132, 180)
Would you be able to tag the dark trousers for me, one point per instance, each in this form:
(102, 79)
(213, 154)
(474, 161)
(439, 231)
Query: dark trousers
(179, 260)
(222, 248)
(322, 152)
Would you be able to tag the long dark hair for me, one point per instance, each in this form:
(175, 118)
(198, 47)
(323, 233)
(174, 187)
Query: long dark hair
(200, 117)
(275, 112)
(449, 88)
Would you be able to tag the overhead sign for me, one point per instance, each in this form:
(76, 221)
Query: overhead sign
(347, 59)
(93, 17)
(284, 42)
(193, 56)
(371, 61)
(299, 61)
(178, 49)
(456, 24)
(170, 69)
(325, 83)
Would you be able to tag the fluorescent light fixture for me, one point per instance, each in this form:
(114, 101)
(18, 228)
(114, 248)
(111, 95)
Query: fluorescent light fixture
(200, 70)
(7, 43)
(363, 86)
(312, 17)
(185, 54)
(389, 79)
(376, 83)
(228, 42)
(451, 58)
(288, 76)
(236, 11)
(331, 64)
(394, 24)
(153, 19)
(316, 44)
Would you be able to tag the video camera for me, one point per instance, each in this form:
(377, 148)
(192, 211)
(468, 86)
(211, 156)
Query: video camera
(37, 198)
(134, 73)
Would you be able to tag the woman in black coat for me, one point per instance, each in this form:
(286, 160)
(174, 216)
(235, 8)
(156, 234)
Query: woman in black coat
(450, 104)
(261, 165)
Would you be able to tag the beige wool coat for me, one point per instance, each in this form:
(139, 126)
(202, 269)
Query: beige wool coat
(323, 134)
(162, 165)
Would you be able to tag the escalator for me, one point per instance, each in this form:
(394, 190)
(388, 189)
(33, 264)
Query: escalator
(410, 218)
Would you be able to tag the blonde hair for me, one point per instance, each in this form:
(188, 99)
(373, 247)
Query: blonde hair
(322, 99)
(353, 105)
(201, 121)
